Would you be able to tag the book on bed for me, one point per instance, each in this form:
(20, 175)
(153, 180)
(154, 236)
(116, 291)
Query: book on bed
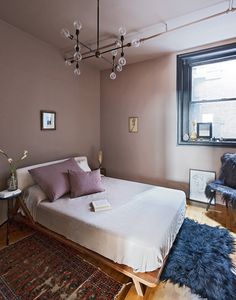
(100, 205)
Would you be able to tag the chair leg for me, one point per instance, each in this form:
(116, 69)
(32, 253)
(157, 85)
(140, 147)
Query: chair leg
(226, 204)
(209, 203)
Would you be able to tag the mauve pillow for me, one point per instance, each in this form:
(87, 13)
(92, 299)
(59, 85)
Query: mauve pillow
(53, 179)
(85, 183)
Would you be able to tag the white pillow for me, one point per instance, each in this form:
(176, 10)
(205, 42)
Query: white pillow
(83, 163)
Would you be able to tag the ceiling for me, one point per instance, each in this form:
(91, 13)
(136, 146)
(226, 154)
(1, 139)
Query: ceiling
(44, 19)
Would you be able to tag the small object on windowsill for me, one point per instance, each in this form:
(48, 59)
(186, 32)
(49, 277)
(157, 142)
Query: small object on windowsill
(193, 138)
(185, 137)
(214, 139)
(203, 140)
(103, 171)
(193, 135)
(8, 194)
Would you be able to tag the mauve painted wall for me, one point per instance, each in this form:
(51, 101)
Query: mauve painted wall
(33, 77)
(148, 90)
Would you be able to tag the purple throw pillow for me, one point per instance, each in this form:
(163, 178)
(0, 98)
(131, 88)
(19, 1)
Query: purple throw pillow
(53, 179)
(85, 183)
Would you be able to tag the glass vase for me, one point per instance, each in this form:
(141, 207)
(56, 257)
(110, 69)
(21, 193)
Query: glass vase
(12, 182)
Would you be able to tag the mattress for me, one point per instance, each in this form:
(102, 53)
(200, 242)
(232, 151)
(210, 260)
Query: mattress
(138, 231)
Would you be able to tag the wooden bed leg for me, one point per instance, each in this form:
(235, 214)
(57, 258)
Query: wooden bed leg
(140, 288)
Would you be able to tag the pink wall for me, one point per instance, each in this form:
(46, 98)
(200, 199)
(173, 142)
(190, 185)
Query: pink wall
(148, 90)
(33, 77)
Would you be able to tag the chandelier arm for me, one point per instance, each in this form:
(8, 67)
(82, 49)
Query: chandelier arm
(103, 47)
(91, 56)
(116, 48)
(103, 52)
(87, 47)
(107, 46)
(107, 51)
(93, 50)
(85, 53)
(84, 45)
(71, 59)
(88, 52)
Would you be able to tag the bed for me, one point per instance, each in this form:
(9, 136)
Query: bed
(137, 232)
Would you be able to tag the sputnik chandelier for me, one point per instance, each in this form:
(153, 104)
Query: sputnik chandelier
(118, 46)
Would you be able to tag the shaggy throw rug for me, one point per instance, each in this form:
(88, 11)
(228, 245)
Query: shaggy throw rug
(41, 268)
(199, 259)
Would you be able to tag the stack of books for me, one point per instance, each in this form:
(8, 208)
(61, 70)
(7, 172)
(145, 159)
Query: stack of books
(100, 205)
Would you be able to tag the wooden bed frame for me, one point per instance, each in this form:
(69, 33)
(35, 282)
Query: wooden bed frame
(140, 280)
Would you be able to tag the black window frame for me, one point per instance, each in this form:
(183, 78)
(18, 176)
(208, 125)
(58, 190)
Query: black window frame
(185, 62)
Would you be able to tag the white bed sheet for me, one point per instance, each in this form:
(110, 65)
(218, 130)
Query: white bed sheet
(139, 230)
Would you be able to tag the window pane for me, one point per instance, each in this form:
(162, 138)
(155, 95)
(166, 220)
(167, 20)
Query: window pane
(220, 114)
(214, 81)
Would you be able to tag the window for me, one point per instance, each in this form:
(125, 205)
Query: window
(206, 89)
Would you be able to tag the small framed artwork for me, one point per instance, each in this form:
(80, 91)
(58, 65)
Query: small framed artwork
(198, 180)
(204, 130)
(48, 120)
(133, 124)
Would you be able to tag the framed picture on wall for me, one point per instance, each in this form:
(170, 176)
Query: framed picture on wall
(198, 180)
(133, 124)
(48, 120)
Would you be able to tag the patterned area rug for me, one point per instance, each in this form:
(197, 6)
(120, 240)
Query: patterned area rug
(199, 259)
(41, 268)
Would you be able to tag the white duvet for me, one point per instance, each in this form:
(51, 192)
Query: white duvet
(139, 230)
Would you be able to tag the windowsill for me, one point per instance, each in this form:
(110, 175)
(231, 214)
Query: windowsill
(209, 143)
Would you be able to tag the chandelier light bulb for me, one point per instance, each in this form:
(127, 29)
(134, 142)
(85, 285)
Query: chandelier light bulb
(114, 52)
(113, 75)
(77, 71)
(118, 43)
(77, 24)
(122, 61)
(65, 33)
(118, 68)
(135, 43)
(122, 31)
(78, 56)
(68, 62)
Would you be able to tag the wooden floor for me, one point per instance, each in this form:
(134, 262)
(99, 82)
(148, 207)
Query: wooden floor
(216, 216)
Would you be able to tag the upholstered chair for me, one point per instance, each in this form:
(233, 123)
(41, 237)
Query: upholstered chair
(226, 183)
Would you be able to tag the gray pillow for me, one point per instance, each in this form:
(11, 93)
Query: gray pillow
(53, 179)
(85, 183)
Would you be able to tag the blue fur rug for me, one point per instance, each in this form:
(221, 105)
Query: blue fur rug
(199, 259)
